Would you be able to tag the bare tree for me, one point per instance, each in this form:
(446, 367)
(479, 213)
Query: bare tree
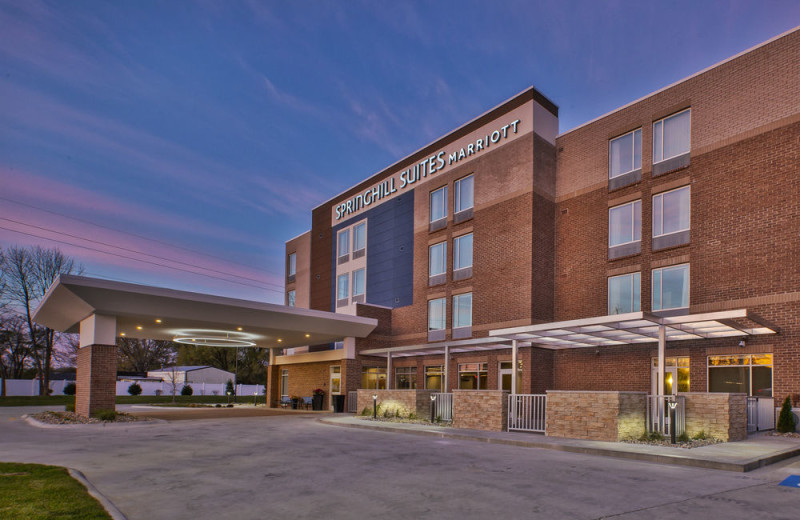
(172, 379)
(141, 355)
(28, 274)
(14, 349)
(66, 349)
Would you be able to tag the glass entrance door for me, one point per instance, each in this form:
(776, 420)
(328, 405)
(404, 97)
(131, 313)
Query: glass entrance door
(336, 382)
(676, 376)
(504, 376)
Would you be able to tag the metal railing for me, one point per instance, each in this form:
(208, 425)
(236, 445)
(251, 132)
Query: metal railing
(443, 407)
(658, 414)
(526, 412)
(352, 402)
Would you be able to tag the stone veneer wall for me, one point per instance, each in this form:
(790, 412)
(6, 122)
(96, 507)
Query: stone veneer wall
(480, 409)
(96, 379)
(601, 416)
(404, 401)
(720, 415)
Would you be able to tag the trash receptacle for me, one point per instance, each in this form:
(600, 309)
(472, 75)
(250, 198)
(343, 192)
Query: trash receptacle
(338, 403)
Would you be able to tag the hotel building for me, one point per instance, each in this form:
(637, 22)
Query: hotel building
(684, 205)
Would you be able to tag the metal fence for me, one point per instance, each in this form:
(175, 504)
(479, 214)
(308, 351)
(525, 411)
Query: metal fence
(352, 402)
(658, 408)
(443, 407)
(526, 412)
(760, 414)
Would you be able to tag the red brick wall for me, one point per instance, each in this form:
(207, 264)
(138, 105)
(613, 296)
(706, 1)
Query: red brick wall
(96, 379)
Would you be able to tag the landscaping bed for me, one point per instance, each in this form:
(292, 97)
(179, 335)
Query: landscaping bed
(73, 418)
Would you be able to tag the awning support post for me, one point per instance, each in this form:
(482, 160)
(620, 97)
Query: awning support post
(662, 346)
(514, 365)
(388, 370)
(446, 369)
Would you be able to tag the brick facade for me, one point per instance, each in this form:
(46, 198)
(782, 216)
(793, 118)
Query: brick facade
(96, 379)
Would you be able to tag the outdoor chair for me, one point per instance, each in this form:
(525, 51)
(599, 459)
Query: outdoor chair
(285, 401)
(307, 402)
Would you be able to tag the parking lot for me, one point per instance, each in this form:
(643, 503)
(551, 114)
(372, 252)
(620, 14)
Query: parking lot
(293, 466)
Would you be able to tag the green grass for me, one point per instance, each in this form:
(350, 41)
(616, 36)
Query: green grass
(34, 492)
(55, 400)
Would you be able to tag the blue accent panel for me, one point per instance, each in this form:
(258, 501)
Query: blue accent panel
(390, 252)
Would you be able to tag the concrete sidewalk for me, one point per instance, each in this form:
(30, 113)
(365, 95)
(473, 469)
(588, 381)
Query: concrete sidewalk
(757, 451)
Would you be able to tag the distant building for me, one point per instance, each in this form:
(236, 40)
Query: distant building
(192, 374)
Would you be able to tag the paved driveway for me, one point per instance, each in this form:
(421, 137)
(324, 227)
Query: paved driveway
(292, 466)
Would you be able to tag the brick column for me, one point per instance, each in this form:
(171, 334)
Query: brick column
(273, 385)
(96, 379)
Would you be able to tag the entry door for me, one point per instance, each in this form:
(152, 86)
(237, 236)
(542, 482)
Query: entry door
(504, 377)
(336, 382)
(670, 381)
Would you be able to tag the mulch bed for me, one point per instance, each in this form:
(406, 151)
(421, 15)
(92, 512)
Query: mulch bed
(694, 443)
(73, 418)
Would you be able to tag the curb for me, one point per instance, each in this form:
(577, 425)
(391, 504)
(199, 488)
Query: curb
(740, 467)
(110, 508)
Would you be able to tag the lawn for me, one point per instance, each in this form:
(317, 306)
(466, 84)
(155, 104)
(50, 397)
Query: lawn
(63, 400)
(33, 492)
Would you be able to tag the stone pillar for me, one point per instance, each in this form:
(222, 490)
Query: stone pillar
(96, 379)
(480, 409)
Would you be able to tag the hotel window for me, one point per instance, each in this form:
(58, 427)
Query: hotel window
(462, 257)
(406, 378)
(359, 239)
(438, 208)
(625, 154)
(292, 264)
(464, 199)
(437, 314)
(342, 288)
(671, 136)
(741, 373)
(462, 310)
(359, 285)
(338, 345)
(284, 383)
(671, 216)
(671, 288)
(373, 378)
(473, 376)
(625, 225)
(344, 246)
(437, 258)
(434, 377)
(290, 298)
(624, 293)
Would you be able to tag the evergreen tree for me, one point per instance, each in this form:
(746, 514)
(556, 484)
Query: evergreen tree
(786, 423)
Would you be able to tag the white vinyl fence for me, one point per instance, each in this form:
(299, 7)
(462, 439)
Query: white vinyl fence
(30, 387)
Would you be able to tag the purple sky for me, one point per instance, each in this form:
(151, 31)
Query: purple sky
(153, 140)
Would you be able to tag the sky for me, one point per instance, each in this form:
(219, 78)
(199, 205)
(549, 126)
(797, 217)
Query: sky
(182, 143)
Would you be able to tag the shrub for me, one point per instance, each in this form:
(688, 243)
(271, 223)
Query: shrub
(786, 422)
(412, 416)
(70, 408)
(187, 390)
(366, 411)
(229, 388)
(684, 437)
(70, 389)
(135, 389)
(651, 437)
(106, 415)
(701, 436)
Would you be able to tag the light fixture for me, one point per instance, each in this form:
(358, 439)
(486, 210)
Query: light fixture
(280, 340)
(138, 327)
(308, 335)
(214, 338)
(121, 333)
(158, 321)
(742, 343)
(374, 406)
(238, 328)
(433, 402)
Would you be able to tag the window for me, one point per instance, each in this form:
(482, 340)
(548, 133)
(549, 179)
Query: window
(464, 194)
(437, 313)
(359, 282)
(437, 255)
(338, 345)
(625, 154)
(625, 223)
(373, 378)
(344, 243)
(671, 288)
(472, 376)
(624, 293)
(342, 286)
(462, 252)
(462, 310)
(439, 204)
(359, 237)
(671, 136)
(292, 264)
(434, 377)
(743, 373)
(290, 298)
(285, 382)
(671, 211)
(674, 368)
(406, 378)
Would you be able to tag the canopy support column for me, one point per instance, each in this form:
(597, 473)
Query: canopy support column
(514, 365)
(446, 386)
(96, 374)
(662, 347)
(389, 371)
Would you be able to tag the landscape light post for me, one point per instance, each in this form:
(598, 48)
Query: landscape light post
(374, 406)
(433, 405)
(229, 396)
(255, 398)
(672, 406)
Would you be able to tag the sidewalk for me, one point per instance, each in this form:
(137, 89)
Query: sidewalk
(757, 451)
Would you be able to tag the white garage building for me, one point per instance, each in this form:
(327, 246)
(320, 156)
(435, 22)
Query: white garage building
(192, 374)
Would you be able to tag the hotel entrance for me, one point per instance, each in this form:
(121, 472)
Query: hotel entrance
(504, 376)
(676, 376)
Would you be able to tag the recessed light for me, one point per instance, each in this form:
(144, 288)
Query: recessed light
(238, 328)
(158, 321)
(279, 340)
(138, 327)
(121, 333)
(308, 335)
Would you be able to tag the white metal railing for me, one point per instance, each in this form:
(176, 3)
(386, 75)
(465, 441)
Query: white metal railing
(526, 412)
(443, 407)
(760, 414)
(352, 402)
(658, 414)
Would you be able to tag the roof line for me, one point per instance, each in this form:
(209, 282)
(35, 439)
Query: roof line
(687, 78)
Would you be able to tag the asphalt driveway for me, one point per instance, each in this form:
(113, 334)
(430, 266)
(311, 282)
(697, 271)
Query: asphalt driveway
(292, 466)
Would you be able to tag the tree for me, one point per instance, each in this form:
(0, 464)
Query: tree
(14, 349)
(141, 355)
(28, 273)
(786, 422)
